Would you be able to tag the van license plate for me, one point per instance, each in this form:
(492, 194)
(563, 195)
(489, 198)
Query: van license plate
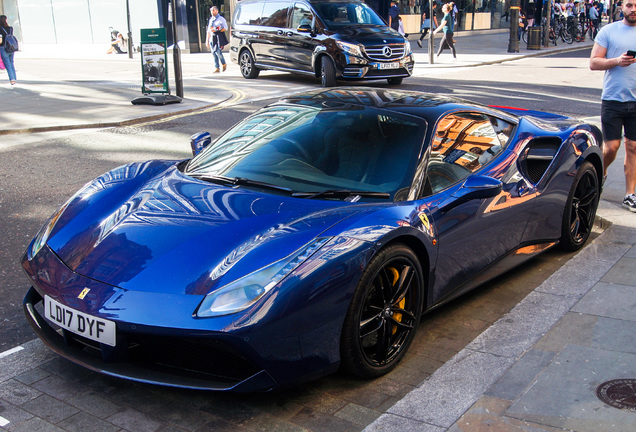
(93, 328)
(394, 65)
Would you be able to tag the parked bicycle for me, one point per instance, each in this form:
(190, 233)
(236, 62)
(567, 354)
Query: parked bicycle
(561, 30)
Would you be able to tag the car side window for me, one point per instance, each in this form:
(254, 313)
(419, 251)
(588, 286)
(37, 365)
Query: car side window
(301, 15)
(275, 14)
(463, 143)
(250, 14)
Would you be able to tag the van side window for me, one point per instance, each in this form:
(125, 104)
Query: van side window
(275, 14)
(301, 15)
(250, 14)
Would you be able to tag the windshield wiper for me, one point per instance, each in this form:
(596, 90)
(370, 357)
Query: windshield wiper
(341, 193)
(239, 181)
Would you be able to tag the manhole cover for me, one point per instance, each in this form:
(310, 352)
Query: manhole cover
(619, 393)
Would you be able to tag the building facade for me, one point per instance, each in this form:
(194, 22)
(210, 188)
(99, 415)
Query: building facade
(90, 21)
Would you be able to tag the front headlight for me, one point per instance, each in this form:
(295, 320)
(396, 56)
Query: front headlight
(242, 293)
(407, 48)
(352, 49)
(41, 238)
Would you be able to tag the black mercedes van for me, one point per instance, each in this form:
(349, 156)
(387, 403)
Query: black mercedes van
(330, 39)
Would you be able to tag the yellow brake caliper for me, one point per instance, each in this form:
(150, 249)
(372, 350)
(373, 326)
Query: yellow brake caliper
(402, 303)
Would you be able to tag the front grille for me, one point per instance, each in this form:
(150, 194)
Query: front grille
(186, 357)
(385, 52)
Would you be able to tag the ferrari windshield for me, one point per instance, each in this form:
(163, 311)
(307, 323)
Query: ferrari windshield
(307, 148)
(343, 14)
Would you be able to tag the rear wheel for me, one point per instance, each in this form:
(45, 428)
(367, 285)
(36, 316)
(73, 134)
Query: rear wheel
(246, 64)
(580, 208)
(384, 313)
(327, 72)
(395, 81)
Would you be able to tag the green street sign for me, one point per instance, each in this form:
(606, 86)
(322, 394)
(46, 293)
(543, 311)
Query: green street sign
(154, 61)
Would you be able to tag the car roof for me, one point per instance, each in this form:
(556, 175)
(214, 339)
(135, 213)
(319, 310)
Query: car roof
(427, 105)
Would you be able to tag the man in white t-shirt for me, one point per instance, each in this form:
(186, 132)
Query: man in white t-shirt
(613, 53)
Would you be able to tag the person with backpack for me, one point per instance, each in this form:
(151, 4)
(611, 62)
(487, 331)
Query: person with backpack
(8, 45)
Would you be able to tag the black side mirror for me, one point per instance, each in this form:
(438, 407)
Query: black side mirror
(304, 28)
(474, 187)
(199, 141)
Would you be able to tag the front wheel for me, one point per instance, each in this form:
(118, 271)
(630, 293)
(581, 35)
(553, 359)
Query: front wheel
(327, 72)
(566, 36)
(384, 313)
(246, 64)
(580, 208)
(394, 81)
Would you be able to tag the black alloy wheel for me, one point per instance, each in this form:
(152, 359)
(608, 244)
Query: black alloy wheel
(384, 313)
(246, 64)
(580, 208)
(327, 72)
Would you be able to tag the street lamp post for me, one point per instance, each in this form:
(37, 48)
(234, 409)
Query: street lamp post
(513, 44)
(130, 41)
(176, 51)
(431, 38)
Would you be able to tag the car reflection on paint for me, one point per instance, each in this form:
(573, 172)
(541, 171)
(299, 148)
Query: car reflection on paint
(309, 237)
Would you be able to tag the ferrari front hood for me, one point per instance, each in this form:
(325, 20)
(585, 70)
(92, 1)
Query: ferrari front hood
(175, 234)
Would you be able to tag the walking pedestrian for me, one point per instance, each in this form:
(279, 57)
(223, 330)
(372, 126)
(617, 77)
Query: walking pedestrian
(426, 20)
(7, 58)
(447, 26)
(216, 39)
(394, 11)
(612, 53)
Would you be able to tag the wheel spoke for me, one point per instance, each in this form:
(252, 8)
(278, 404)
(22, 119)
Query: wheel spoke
(404, 283)
(384, 342)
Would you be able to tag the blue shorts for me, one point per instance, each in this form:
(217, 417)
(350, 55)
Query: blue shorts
(616, 116)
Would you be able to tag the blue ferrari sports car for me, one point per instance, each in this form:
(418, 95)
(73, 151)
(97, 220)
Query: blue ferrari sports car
(309, 237)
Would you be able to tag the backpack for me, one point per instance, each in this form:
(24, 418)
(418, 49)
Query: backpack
(10, 41)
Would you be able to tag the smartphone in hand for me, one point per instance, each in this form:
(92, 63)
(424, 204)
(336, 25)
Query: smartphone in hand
(631, 53)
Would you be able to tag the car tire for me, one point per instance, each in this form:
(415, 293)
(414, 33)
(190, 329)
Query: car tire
(246, 64)
(384, 313)
(580, 208)
(327, 72)
(394, 81)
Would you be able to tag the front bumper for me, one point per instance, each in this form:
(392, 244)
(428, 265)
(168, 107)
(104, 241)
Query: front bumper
(194, 361)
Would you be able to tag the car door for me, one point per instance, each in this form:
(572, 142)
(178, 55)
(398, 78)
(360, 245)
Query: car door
(468, 155)
(271, 49)
(300, 42)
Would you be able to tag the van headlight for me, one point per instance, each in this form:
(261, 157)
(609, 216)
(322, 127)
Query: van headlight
(242, 293)
(407, 48)
(351, 49)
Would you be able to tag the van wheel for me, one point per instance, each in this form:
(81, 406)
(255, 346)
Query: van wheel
(394, 81)
(246, 63)
(327, 72)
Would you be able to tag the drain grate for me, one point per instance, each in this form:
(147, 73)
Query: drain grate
(619, 393)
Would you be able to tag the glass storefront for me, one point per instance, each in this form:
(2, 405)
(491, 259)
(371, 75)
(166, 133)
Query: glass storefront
(471, 14)
(77, 21)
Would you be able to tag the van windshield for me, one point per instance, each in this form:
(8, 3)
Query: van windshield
(344, 14)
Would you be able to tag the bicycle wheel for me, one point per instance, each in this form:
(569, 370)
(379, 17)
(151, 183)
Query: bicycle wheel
(577, 32)
(566, 36)
(553, 37)
(524, 36)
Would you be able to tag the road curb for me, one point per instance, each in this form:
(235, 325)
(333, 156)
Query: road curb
(102, 125)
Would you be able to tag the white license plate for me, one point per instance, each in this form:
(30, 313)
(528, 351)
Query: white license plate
(394, 65)
(93, 328)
